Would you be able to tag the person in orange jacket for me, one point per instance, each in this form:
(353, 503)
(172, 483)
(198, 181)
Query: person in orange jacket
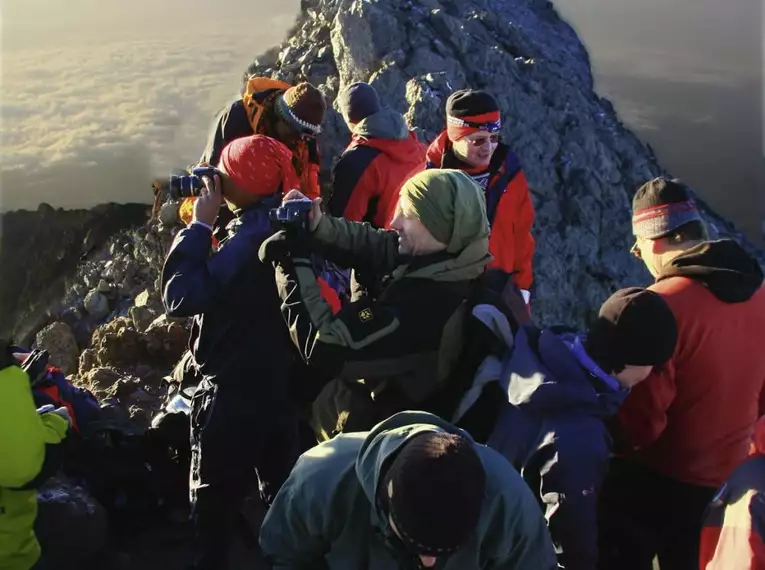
(471, 142)
(733, 536)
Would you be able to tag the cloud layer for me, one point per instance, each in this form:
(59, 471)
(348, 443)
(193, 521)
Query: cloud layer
(97, 120)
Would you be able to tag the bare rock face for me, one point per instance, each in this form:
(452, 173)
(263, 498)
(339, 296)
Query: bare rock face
(58, 340)
(582, 164)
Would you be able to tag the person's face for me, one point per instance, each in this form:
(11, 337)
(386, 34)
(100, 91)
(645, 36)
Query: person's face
(477, 148)
(427, 561)
(633, 375)
(413, 237)
(644, 250)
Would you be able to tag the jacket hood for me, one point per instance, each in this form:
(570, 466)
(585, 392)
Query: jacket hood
(436, 150)
(469, 264)
(552, 378)
(723, 267)
(384, 441)
(387, 124)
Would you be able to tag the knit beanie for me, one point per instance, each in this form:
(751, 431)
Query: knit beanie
(303, 108)
(469, 111)
(259, 165)
(660, 207)
(357, 101)
(435, 488)
(449, 204)
(635, 327)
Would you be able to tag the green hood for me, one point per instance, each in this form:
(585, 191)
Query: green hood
(469, 264)
(382, 443)
(387, 124)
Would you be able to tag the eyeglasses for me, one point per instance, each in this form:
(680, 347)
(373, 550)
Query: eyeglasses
(481, 141)
(635, 250)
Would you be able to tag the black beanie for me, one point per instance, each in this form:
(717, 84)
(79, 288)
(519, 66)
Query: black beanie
(435, 488)
(635, 327)
(469, 103)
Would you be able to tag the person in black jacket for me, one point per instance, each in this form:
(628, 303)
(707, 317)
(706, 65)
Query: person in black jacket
(241, 419)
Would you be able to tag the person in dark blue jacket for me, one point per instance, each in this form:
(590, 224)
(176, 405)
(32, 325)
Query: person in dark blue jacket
(242, 420)
(557, 389)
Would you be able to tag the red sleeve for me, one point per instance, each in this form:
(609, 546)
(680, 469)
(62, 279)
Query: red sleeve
(523, 240)
(309, 182)
(643, 415)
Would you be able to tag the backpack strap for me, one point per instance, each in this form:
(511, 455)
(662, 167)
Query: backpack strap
(506, 166)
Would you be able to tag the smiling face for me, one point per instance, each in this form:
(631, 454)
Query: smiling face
(476, 149)
(413, 237)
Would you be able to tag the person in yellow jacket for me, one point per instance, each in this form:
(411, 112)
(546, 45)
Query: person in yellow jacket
(24, 434)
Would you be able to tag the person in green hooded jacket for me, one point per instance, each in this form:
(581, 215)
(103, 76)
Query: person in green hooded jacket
(416, 492)
(24, 434)
(392, 352)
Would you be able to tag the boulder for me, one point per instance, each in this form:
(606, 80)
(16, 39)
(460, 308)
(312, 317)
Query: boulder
(58, 339)
(96, 304)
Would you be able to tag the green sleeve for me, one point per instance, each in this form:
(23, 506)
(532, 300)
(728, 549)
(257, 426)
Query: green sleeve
(23, 432)
(357, 245)
(291, 536)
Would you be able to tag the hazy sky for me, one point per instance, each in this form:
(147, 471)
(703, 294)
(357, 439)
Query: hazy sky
(100, 95)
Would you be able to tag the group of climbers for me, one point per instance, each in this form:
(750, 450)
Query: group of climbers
(442, 238)
(452, 431)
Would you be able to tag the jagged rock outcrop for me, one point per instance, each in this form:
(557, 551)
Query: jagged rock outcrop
(582, 164)
(40, 252)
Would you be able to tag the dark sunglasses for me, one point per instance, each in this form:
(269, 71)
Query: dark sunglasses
(635, 250)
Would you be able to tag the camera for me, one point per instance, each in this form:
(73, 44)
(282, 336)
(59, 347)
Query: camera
(190, 184)
(292, 213)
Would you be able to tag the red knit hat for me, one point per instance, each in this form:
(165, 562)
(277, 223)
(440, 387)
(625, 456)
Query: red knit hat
(259, 165)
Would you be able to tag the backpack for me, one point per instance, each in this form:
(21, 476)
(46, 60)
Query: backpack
(494, 290)
(50, 386)
(257, 91)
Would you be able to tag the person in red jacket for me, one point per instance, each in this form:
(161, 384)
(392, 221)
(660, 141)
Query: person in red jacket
(687, 427)
(382, 154)
(471, 143)
(733, 537)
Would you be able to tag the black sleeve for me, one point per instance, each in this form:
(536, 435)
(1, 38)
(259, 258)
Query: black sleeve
(347, 174)
(231, 124)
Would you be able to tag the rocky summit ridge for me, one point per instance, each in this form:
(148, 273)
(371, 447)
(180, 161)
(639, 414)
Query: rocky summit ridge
(103, 321)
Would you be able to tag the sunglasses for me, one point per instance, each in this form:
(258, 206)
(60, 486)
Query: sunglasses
(481, 141)
(635, 250)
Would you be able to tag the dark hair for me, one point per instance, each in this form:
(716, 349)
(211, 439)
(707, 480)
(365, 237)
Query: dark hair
(691, 232)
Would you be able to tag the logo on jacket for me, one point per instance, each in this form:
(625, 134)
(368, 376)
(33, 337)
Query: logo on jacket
(365, 315)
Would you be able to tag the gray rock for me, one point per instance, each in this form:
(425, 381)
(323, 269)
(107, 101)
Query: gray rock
(142, 299)
(582, 164)
(58, 339)
(142, 317)
(168, 213)
(96, 304)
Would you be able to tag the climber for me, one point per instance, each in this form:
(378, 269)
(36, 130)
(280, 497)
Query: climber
(681, 433)
(471, 142)
(545, 400)
(733, 536)
(290, 114)
(381, 155)
(415, 492)
(388, 355)
(242, 418)
(28, 439)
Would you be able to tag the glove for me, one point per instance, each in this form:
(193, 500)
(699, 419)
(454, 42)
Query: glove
(282, 245)
(50, 409)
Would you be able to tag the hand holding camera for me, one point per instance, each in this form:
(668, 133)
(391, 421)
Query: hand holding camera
(208, 204)
(309, 210)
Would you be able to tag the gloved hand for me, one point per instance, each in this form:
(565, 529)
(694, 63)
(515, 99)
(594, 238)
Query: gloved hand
(283, 245)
